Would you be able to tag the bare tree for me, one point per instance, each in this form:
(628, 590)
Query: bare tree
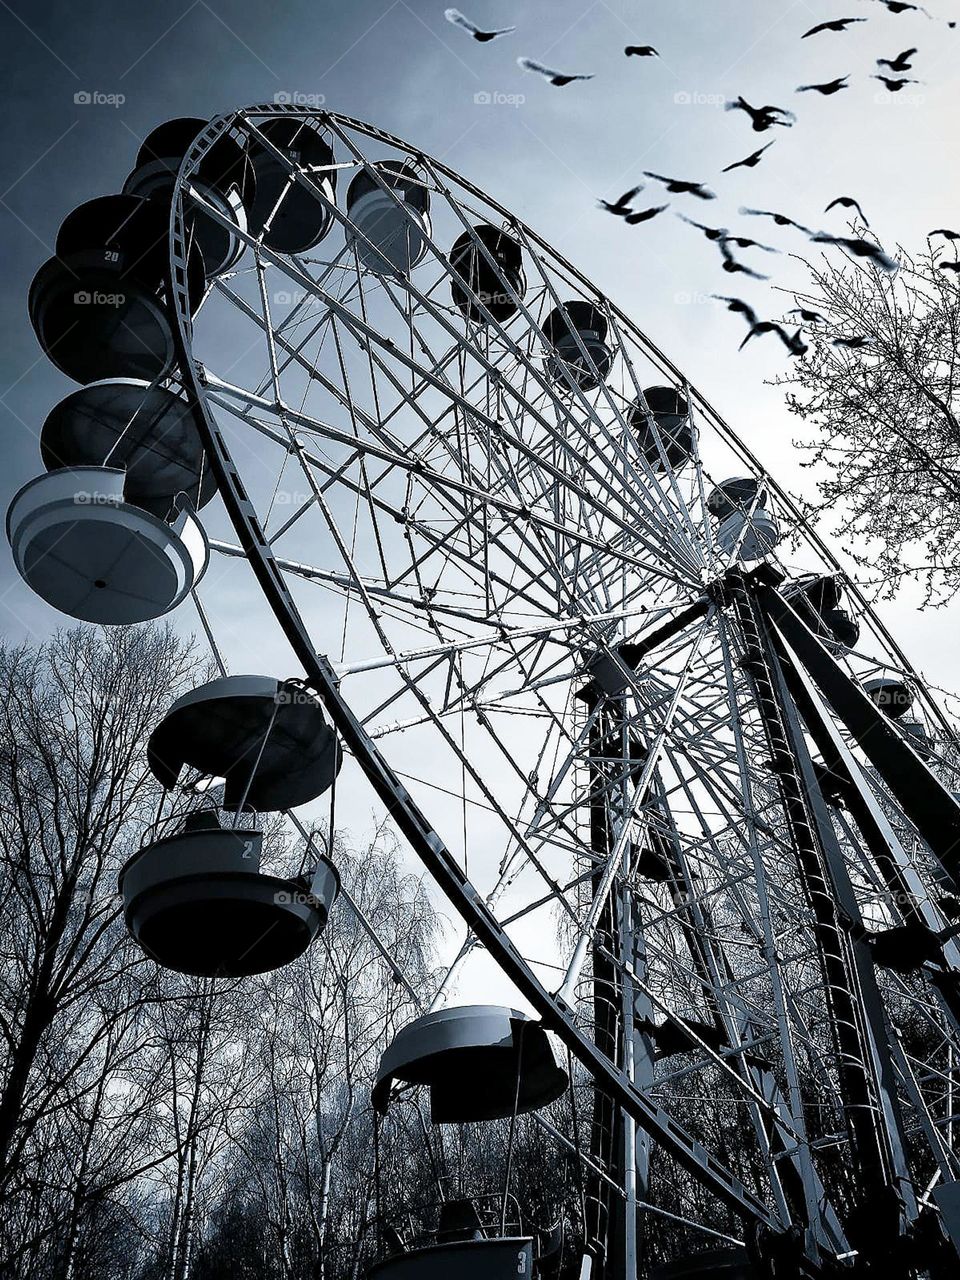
(303, 1162)
(886, 450)
(75, 796)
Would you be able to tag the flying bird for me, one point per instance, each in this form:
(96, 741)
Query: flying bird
(763, 118)
(949, 266)
(838, 24)
(793, 342)
(808, 317)
(644, 215)
(859, 340)
(848, 202)
(679, 187)
(461, 20)
(780, 219)
(897, 6)
(721, 235)
(734, 267)
(744, 242)
(946, 233)
(750, 162)
(621, 207)
(796, 345)
(894, 86)
(859, 247)
(559, 78)
(900, 63)
(831, 86)
(712, 233)
(641, 51)
(739, 307)
(759, 328)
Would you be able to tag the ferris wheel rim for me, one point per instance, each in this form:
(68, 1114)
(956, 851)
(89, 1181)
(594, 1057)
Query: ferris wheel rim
(445, 871)
(401, 806)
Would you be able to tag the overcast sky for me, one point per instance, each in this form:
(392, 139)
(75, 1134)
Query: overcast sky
(546, 153)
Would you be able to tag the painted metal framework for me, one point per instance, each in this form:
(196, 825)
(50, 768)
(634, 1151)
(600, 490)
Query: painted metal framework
(439, 503)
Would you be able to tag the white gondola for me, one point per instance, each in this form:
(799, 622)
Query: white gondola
(393, 224)
(739, 493)
(502, 1258)
(94, 556)
(664, 430)
(268, 740)
(224, 181)
(493, 282)
(197, 902)
(146, 429)
(569, 328)
(480, 1062)
(99, 308)
(286, 213)
(891, 694)
(751, 537)
(817, 598)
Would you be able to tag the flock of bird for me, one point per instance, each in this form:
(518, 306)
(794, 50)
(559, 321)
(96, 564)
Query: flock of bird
(762, 119)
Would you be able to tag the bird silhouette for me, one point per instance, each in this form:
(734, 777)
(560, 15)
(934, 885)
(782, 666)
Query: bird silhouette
(897, 6)
(559, 78)
(894, 86)
(900, 63)
(763, 118)
(847, 202)
(838, 24)
(680, 187)
(949, 266)
(744, 242)
(780, 219)
(644, 215)
(621, 207)
(750, 162)
(641, 51)
(793, 342)
(737, 268)
(721, 235)
(759, 328)
(808, 317)
(459, 19)
(831, 86)
(712, 233)
(946, 233)
(858, 340)
(739, 307)
(859, 247)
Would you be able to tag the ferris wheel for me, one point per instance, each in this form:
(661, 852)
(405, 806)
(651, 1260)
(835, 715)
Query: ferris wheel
(686, 795)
